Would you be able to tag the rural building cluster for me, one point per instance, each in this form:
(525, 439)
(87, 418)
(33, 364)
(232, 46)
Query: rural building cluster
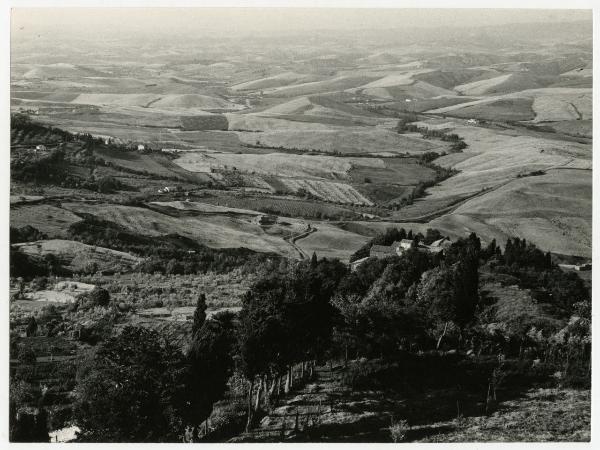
(399, 247)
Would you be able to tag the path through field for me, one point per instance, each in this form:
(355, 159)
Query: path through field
(292, 240)
(326, 410)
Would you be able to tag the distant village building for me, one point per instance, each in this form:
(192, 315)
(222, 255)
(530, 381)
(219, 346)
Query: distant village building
(396, 249)
(578, 267)
(40, 148)
(141, 147)
(399, 247)
(439, 246)
(402, 245)
(169, 189)
(382, 251)
(472, 122)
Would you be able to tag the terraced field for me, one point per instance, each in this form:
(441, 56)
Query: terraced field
(280, 164)
(328, 191)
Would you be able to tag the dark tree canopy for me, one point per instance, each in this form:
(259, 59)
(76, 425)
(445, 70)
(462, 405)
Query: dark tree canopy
(130, 389)
(210, 360)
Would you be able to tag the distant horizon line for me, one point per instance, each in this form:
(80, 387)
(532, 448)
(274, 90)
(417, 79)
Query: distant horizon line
(294, 31)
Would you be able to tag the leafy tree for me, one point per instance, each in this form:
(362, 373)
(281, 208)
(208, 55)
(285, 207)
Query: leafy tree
(287, 319)
(432, 235)
(377, 326)
(26, 355)
(449, 294)
(174, 267)
(96, 297)
(131, 389)
(210, 360)
(108, 184)
(26, 234)
(261, 332)
(22, 265)
(52, 263)
(32, 326)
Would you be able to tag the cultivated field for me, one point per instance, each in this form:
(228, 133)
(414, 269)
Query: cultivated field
(281, 164)
(328, 191)
(346, 140)
(217, 231)
(80, 257)
(330, 241)
(48, 219)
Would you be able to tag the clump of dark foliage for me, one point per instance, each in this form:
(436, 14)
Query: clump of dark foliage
(405, 126)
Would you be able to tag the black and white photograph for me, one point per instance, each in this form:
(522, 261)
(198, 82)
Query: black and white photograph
(298, 224)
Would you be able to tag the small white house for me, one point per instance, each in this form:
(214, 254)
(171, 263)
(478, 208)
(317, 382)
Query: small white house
(141, 147)
(40, 148)
(472, 122)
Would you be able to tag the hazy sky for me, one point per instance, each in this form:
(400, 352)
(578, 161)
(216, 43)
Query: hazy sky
(247, 20)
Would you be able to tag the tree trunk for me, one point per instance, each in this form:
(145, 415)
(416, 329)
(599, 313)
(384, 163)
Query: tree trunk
(258, 392)
(439, 342)
(296, 423)
(302, 370)
(287, 381)
(251, 382)
(346, 356)
(270, 391)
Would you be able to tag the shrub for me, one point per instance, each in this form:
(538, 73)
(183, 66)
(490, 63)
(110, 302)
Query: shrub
(97, 297)
(26, 355)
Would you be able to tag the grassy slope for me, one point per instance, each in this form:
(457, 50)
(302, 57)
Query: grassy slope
(553, 210)
(541, 415)
(217, 231)
(76, 256)
(48, 219)
(335, 413)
